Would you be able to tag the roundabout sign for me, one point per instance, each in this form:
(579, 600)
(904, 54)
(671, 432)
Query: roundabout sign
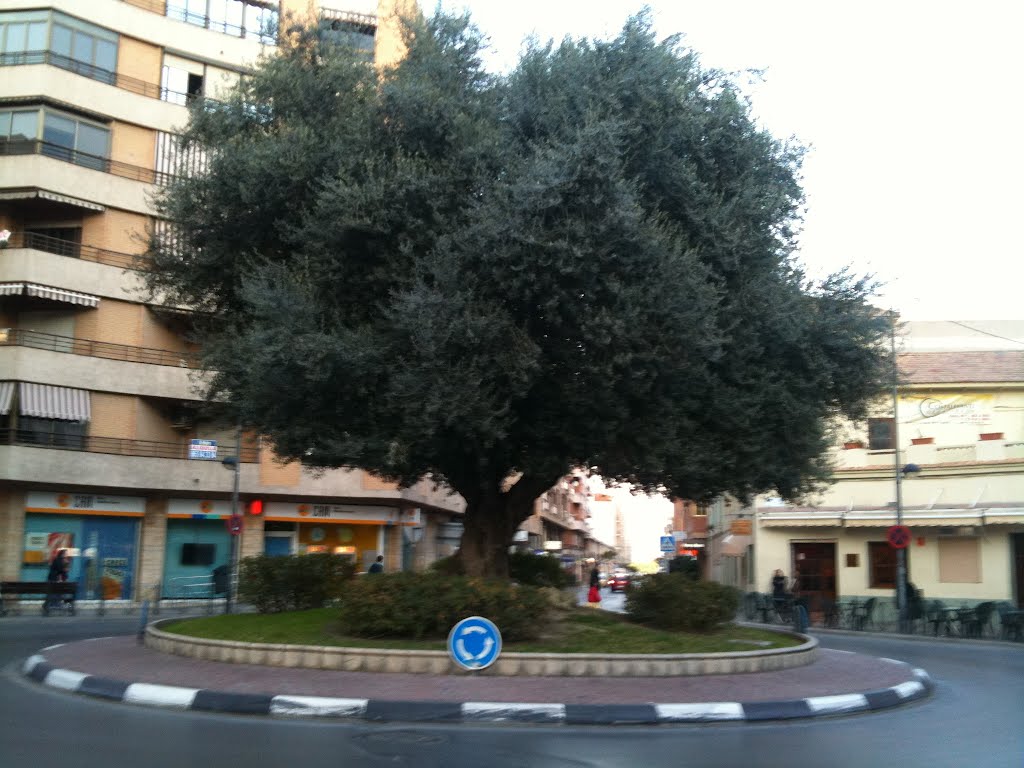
(474, 643)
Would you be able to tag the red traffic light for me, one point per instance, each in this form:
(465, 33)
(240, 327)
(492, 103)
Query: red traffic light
(256, 507)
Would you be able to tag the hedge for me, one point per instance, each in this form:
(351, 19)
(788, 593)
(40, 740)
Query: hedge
(293, 583)
(674, 601)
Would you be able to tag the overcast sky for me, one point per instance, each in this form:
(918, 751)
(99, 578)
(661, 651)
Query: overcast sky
(911, 109)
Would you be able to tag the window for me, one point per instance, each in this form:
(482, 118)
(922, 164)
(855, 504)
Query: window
(75, 140)
(198, 554)
(173, 159)
(959, 560)
(52, 432)
(881, 565)
(229, 17)
(74, 44)
(21, 125)
(880, 432)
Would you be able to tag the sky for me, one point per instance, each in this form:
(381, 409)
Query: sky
(911, 111)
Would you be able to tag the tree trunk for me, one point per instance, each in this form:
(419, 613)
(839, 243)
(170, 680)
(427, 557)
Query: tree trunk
(489, 523)
(486, 536)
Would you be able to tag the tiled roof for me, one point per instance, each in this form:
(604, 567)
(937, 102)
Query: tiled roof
(957, 367)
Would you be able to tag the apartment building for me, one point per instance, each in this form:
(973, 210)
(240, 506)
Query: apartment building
(958, 425)
(103, 449)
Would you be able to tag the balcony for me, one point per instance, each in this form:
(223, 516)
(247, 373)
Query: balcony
(132, 84)
(16, 337)
(75, 250)
(108, 462)
(84, 159)
(33, 174)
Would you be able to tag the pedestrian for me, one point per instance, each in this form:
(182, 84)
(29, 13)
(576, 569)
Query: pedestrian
(779, 585)
(59, 567)
(378, 565)
(594, 595)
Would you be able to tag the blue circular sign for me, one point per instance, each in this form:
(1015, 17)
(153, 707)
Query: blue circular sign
(474, 643)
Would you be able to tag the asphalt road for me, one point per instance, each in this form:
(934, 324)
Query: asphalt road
(976, 718)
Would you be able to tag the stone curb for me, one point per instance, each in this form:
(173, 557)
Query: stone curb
(201, 700)
(508, 664)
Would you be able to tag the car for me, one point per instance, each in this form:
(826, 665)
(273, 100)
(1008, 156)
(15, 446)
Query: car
(618, 582)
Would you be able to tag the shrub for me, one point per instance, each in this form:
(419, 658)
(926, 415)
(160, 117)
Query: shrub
(676, 602)
(293, 583)
(428, 605)
(539, 571)
(448, 566)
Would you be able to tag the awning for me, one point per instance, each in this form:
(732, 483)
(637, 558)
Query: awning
(46, 292)
(6, 396)
(46, 402)
(31, 194)
(803, 521)
(734, 545)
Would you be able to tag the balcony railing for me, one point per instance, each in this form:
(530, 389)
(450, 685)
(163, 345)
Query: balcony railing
(124, 82)
(78, 251)
(116, 445)
(86, 160)
(16, 337)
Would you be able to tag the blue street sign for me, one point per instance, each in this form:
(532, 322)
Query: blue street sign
(474, 643)
(668, 543)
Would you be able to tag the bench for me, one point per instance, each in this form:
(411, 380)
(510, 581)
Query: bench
(58, 595)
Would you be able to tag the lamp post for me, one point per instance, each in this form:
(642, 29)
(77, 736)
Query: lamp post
(234, 463)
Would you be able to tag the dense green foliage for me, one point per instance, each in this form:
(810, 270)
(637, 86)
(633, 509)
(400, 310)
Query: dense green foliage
(294, 583)
(539, 571)
(430, 271)
(676, 602)
(427, 605)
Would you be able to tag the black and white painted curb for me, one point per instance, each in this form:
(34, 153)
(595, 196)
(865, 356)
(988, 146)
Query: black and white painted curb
(195, 699)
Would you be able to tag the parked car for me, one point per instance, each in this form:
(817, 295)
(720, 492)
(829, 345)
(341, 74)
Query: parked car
(618, 582)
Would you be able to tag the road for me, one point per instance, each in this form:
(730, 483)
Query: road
(974, 719)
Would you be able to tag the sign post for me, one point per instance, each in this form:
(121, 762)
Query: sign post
(474, 643)
(668, 543)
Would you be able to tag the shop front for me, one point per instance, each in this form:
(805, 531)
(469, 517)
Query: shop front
(349, 530)
(198, 541)
(100, 533)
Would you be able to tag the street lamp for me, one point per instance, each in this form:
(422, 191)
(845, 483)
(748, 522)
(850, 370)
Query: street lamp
(233, 463)
(900, 472)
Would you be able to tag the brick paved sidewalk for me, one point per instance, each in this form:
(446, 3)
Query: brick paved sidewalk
(122, 658)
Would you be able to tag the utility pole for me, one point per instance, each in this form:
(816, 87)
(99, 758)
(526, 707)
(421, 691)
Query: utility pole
(233, 556)
(901, 554)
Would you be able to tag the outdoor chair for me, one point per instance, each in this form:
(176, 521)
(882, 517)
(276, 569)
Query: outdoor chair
(830, 614)
(974, 623)
(1011, 621)
(863, 615)
(751, 605)
(936, 615)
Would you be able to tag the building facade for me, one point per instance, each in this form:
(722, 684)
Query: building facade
(102, 447)
(956, 440)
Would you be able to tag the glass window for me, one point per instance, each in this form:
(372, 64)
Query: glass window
(174, 85)
(14, 40)
(36, 36)
(92, 140)
(881, 565)
(59, 130)
(880, 434)
(5, 125)
(106, 55)
(81, 48)
(60, 40)
(25, 125)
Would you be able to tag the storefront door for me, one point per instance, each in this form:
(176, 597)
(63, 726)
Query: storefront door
(814, 565)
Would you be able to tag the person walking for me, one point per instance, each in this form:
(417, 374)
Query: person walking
(780, 597)
(594, 595)
(57, 574)
(377, 566)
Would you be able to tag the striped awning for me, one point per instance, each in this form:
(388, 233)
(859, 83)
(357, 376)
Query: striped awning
(31, 194)
(47, 402)
(6, 396)
(46, 292)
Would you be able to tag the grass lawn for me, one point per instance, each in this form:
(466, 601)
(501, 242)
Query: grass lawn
(582, 630)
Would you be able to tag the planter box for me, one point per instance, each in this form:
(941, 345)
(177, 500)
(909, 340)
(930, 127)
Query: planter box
(991, 436)
(852, 444)
(922, 440)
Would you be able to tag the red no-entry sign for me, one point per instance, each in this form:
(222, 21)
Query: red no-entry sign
(898, 536)
(234, 524)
